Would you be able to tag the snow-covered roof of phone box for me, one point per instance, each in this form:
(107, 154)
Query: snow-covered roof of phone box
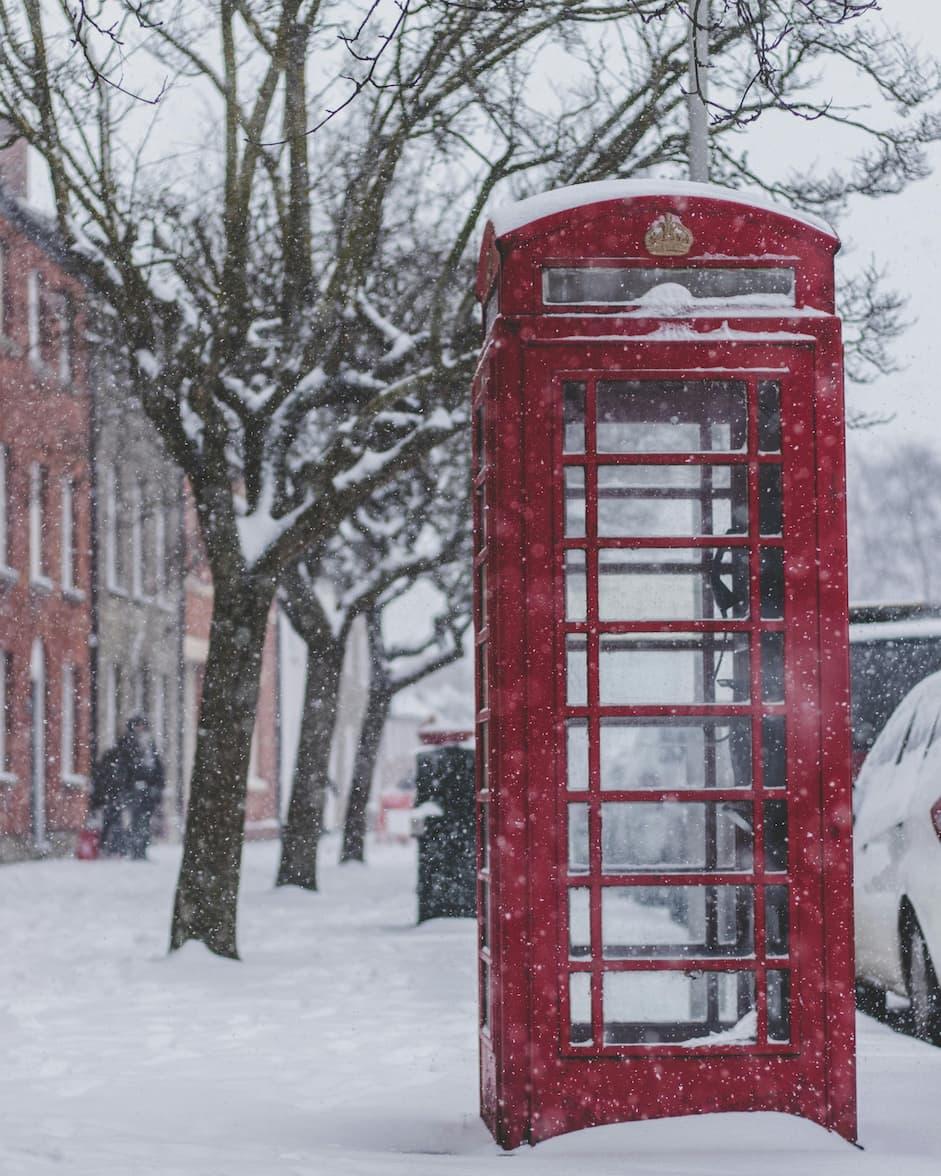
(508, 217)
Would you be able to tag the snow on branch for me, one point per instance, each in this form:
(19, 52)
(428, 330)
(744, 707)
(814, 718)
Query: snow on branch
(401, 343)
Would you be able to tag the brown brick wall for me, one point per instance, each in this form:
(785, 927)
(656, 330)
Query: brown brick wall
(44, 420)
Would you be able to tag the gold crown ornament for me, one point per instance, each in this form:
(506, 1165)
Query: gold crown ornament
(668, 237)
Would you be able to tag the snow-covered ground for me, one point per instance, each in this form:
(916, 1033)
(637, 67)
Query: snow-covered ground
(342, 1044)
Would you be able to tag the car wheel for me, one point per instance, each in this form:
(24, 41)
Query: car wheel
(871, 999)
(923, 990)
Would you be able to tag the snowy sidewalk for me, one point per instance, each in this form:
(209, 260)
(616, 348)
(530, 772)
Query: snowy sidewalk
(344, 1043)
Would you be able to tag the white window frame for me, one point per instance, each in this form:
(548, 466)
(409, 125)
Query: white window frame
(160, 552)
(38, 481)
(137, 541)
(69, 722)
(6, 776)
(66, 338)
(67, 535)
(112, 703)
(34, 318)
(113, 534)
(140, 687)
(158, 712)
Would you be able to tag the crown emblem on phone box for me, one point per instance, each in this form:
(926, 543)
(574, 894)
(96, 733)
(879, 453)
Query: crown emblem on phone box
(668, 236)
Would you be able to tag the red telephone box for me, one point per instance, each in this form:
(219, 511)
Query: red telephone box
(664, 870)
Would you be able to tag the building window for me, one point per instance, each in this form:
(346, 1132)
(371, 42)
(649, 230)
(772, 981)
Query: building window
(5, 302)
(158, 715)
(114, 532)
(70, 726)
(137, 541)
(113, 689)
(65, 319)
(6, 710)
(34, 318)
(159, 569)
(68, 539)
(140, 703)
(38, 501)
(256, 782)
(4, 499)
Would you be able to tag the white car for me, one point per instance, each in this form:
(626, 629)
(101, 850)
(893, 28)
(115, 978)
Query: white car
(897, 859)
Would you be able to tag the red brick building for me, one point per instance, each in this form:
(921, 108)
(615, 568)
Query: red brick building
(45, 534)
(82, 628)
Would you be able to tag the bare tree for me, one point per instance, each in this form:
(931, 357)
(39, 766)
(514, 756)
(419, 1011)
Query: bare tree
(396, 665)
(243, 268)
(414, 529)
(895, 524)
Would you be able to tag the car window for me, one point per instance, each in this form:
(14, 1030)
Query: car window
(934, 732)
(890, 744)
(919, 731)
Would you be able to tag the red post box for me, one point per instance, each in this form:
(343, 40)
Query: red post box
(664, 869)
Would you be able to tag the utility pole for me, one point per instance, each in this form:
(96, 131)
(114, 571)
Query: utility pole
(698, 84)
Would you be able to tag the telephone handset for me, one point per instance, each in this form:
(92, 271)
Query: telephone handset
(733, 600)
(730, 600)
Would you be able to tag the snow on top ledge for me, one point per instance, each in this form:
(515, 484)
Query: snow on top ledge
(508, 217)
(912, 628)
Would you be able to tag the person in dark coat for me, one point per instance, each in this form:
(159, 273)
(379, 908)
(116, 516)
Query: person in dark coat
(108, 799)
(139, 780)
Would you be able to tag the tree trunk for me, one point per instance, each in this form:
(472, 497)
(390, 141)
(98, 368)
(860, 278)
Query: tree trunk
(367, 751)
(207, 889)
(301, 834)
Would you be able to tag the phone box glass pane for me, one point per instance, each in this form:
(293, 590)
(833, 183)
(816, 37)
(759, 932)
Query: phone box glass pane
(681, 668)
(670, 922)
(775, 814)
(574, 502)
(579, 922)
(773, 752)
(770, 510)
(668, 754)
(777, 920)
(779, 1006)
(771, 565)
(769, 416)
(573, 416)
(578, 838)
(576, 746)
(672, 500)
(671, 416)
(575, 586)
(672, 583)
(576, 677)
(580, 1008)
(714, 286)
(772, 667)
(676, 837)
(698, 1008)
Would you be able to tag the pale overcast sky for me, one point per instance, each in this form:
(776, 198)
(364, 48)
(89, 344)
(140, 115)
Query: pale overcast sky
(904, 233)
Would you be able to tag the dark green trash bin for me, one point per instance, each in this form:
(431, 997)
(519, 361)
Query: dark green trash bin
(444, 800)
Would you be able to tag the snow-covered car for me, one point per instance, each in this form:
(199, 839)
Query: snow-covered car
(897, 859)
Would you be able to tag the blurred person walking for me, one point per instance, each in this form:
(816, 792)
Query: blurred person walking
(141, 781)
(108, 805)
(128, 786)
